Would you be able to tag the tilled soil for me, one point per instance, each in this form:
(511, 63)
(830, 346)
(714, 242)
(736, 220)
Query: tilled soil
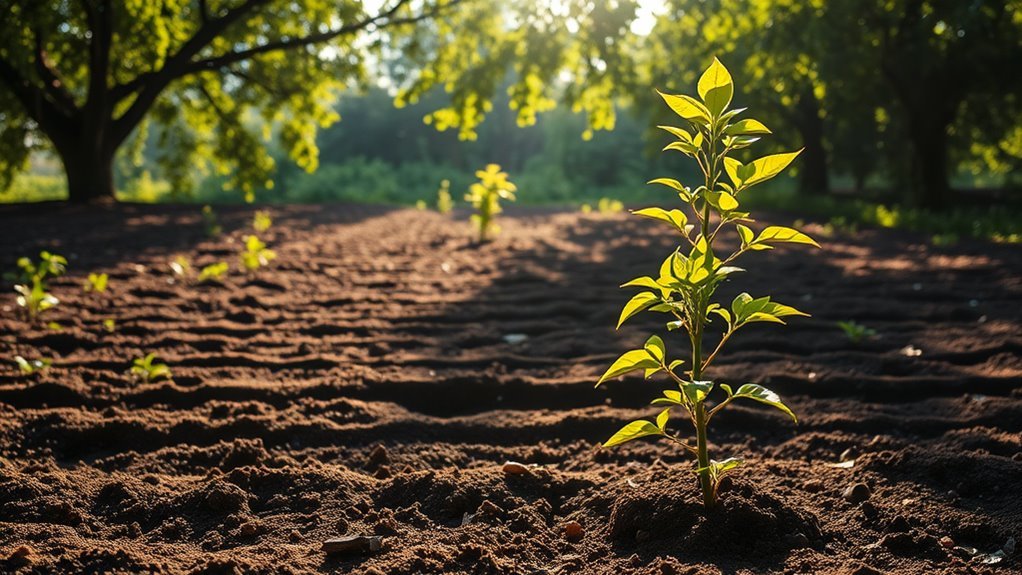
(375, 377)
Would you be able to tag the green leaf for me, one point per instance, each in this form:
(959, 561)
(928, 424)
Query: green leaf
(783, 234)
(638, 303)
(746, 127)
(745, 233)
(644, 281)
(723, 201)
(761, 394)
(670, 397)
(661, 419)
(679, 133)
(716, 87)
(683, 147)
(674, 217)
(655, 347)
(696, 391)
(688, 108)
(630, 361)
(769, 166)
(732, 167)
(633, 430)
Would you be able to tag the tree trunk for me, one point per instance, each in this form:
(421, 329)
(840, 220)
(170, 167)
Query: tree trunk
(814, 178)
(89, 166)
(928, 187)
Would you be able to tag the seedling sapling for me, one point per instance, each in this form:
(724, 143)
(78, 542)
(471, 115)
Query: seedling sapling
(256, 254)
(96, 283)
(261, 221)
(32, 366)
(688, 278)
(147, 370)
(444, 201)
(856, 332)
(485, 196)
(212, 272)
(32, 292)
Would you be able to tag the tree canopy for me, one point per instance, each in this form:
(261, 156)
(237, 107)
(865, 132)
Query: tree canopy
(82, 78)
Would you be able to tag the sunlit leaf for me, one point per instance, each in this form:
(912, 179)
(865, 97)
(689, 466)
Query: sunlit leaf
(767, 167)
(783, 234)
(716, 87)
(675, 217)
(638, 303)
(633, 430)
(634, 360)
(688, 108)
(763, 395)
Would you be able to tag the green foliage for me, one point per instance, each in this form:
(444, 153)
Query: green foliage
(32, 292)
(213, 272)
(32, 367)
(444, 201)
(210, 222)
(856, 332)
(485, 197)
(96, 283)
(147, 370)
(261, 221)
(688, 278)
(256, 254)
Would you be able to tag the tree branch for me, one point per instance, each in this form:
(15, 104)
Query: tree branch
(52, 84)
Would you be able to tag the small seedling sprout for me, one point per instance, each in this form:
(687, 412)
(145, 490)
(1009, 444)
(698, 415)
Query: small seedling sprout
(485, 196)
(256, 254)
(147, 370)
(856, 332)
(96, 283)
(261, 221)
(212, 272)
(32, 366)
(444, 201)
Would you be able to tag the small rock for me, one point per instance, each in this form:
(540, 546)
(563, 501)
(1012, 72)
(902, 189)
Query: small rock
(573, 531)
(947, 542)
(352, 544)
(642, 535)
(796, 540)
(857, 493)
(488, 509)
(249, 529)
(295, 536)
(515, 468)
(377, 457)
(813, 486)
(467, 518)
(868, 509)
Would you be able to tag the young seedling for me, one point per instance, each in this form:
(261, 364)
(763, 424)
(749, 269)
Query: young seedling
(256, 254)
(856, 332)
(181, 267)
(212, 272)
(485, 197)
(32, 292)
(261, 221)
(444, 201)
(33, 366)
(210, 223)
(147, 370)
(421, 205)
(607, 206)
(109, 324)
(96, 283)
(687, 279)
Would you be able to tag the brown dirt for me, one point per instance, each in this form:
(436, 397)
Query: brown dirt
(363, 385)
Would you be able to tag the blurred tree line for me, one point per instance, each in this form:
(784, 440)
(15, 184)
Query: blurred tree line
(898, 99)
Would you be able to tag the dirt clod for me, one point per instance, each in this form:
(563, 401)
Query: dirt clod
(857, 493)
(573, 531)
(352, 544)
(515, 468)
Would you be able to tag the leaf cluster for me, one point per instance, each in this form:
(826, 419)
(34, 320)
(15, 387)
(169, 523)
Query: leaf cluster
(33, 294)
(147, 369)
